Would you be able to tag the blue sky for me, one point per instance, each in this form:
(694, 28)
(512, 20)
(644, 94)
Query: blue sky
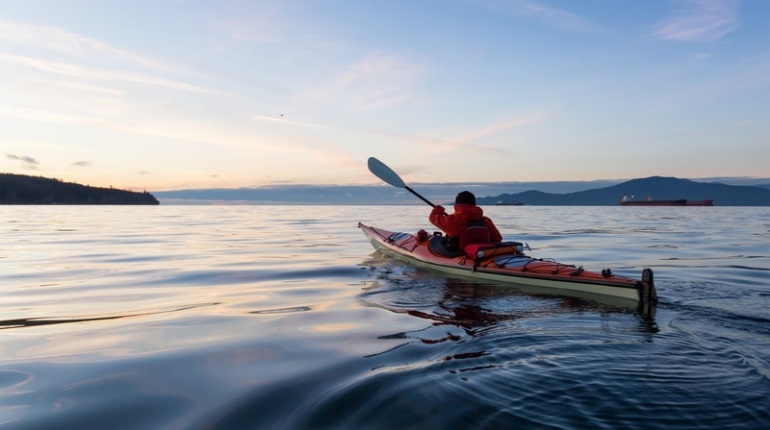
(171, 94)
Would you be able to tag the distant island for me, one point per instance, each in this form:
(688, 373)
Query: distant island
(591, 193)
(35, 190)
(654, 188)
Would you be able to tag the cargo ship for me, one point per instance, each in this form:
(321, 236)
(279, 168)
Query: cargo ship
(625, 201)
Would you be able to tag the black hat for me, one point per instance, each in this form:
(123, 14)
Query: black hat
(466, 197)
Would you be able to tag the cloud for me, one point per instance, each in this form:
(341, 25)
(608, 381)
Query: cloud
(280, 120)
(88, 73)
(463, 141)
(274, 24)
(27, 161)
(699, 21)
(45, 116)
(502, 126)
(255, 23)
(84, 87)
(71, 44)
(81, 163)
(542, 12)
(375, 80)
(750, 74)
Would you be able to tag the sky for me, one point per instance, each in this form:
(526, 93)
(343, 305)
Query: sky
(177, 94)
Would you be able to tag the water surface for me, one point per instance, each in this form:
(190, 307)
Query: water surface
(231, 317)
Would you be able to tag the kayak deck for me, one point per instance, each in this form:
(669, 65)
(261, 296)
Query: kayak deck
(513, 267)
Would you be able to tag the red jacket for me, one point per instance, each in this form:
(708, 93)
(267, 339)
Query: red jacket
(453, 225)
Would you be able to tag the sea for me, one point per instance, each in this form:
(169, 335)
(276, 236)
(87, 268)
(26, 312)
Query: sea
(285, 317)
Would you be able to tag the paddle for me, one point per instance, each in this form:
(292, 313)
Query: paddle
(380, 170)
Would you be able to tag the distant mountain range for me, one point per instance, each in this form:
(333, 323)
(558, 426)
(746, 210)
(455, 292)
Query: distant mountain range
(36, 190)
(655, 187)
(21, 189)
(550, 193)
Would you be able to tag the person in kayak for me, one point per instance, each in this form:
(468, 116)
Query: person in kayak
(466, 224)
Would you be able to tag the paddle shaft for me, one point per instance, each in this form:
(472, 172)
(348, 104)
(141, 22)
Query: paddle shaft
(419, 196)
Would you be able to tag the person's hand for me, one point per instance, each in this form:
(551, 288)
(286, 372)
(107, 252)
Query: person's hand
(438, 209)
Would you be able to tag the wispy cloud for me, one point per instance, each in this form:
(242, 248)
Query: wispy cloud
(282, 120)
(256, 23)
(89, 73)
(476, 141)
(551, 15)
(501, 127)
(275, 24)
(751, 74)
(699, 21)
(42, 115)
(81, 163)
(27, 161)
(53, 39)
(375, 80)
(100, 90)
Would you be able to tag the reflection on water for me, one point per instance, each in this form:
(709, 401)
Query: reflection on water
(459, 303)
(462, 302)
(29, 322)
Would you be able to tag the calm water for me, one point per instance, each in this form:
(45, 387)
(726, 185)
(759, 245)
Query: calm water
(237, 317)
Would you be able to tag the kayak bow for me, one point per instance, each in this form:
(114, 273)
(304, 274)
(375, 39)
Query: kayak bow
(508, 264)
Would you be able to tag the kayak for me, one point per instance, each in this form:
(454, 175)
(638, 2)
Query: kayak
(506, 262)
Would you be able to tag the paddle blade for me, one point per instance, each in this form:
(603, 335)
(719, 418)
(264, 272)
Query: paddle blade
(380, 170)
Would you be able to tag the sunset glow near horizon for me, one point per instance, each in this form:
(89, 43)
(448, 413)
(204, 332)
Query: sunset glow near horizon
(172, 94)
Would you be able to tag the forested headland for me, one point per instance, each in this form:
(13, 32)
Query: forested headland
(36, 190)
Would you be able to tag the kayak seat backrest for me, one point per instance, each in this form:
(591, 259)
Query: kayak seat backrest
(438, 246)
(475, 234)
